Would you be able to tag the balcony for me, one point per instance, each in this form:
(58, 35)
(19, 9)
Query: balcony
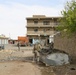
(41, 25)
(40, 33)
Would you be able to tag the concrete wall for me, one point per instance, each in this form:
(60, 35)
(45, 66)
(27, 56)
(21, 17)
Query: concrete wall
(3, 41)
(41, 31)
(66, 44)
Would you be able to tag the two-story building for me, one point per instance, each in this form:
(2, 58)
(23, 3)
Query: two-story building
(41, 28)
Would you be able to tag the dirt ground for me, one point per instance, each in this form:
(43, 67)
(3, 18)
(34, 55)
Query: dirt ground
(60, 70)
(15, 62)
(18, 68)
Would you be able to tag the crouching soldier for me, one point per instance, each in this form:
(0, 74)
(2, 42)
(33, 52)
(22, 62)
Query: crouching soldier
(36, 51)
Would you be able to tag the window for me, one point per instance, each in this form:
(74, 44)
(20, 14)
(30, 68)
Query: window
(44, 30)
(46, 22)
(35, 22)
(35, 30)
(56, 23)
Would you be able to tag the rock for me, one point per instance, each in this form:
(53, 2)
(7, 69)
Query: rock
(56, 59)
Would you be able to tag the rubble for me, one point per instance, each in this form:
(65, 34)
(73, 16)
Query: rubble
(7, 51)
(51, 56)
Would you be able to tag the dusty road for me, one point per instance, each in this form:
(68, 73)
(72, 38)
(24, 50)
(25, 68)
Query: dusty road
(18, 68)
(15, 62)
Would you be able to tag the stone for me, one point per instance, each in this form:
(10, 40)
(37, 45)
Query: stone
(56, 59)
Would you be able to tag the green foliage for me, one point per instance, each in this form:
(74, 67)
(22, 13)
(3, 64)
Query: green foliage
(68, 21)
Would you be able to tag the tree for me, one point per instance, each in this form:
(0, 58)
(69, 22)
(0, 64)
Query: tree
(68, 21)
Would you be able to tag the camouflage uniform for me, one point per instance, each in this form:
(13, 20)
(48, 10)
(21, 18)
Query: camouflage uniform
(37, 48)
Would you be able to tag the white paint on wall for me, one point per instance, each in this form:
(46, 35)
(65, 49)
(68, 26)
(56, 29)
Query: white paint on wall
(3, 41)
(51, 38)
(0, 41)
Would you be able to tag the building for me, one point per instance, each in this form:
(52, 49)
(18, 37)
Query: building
(41, 28)
(3, 39)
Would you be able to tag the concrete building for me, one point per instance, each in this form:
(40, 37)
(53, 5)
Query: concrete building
(3, 39)
(41, 28)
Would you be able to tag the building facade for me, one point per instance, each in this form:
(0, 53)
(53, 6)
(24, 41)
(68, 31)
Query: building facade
(41, 28)
(3, 39)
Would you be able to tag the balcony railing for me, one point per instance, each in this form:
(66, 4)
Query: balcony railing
(40, 32)
(41, 25)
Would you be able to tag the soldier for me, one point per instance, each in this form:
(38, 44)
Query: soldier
(18, 46)
(37, 48)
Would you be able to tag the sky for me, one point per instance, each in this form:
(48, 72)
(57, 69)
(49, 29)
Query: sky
(13, 14)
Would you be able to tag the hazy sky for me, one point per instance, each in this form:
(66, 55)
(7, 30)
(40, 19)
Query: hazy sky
(13, 14)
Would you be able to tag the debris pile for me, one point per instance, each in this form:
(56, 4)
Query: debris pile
(51, 56)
